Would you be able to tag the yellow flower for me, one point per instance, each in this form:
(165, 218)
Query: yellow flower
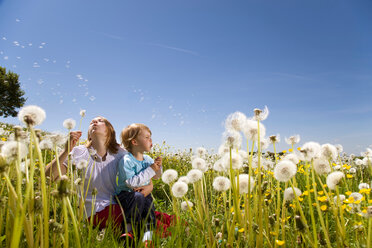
(314, 204)
(241, 230)
(320, 192)
(370, 201)
(305, 193)
(322, 198)
(270, 173)
(273, 233)
(364, 191)
(350, 200)
(232, 210)
(324, 207)
(279, 242)
(348, 193)
(300, 199)
(301, 170)
(349, 176)
(311, 190)
(290, 150)
(299, 148)
(292, 206)
(3, 139)
(284, 151)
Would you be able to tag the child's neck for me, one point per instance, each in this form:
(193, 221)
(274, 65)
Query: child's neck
(137, 154)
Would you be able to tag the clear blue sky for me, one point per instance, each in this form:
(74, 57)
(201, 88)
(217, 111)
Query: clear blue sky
(182, 66)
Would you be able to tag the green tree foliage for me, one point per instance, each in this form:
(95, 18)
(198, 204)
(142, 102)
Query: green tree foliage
(11, 94)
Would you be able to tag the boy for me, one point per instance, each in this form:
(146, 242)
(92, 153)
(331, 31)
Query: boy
(135, 170)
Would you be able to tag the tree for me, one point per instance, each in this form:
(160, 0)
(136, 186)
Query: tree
(11, 94)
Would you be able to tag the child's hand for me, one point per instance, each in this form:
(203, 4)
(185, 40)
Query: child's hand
(156, 167)
(158, 161)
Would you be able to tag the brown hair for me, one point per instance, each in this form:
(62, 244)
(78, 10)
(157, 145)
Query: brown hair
(111, 144)
(130, 133)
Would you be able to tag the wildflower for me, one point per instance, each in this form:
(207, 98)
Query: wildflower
(289, 194)
(82, 112)
(169, 176)
(274, 138)
(232, 138)
(292, 157)
(260, 115)
(334, 179)
(221, 183)
(284, 170)
(218, 166)
(58, 139)
(292, 140)
(279, 242)
(179, 189)
(69, 124)
(223, 149)
(82, 164)
(184, 179)
(235, 121)
(323, 208)
(186, 205)
(10, 150)
(329, 151)
(46, 144)
(356, 196)
(363, 186)
(352, 170)
(321, 166)
(243, 154)
(310, 150)
(200, 164)
(244, 183)
(31, 115)
(339, 148)
(201, 152)
(368, 213)
(235, 160)
(250, 130)
(194, 175)
(264, 143)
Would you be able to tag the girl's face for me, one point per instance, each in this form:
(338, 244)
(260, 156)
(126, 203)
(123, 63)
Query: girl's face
(97, 127)
(143, 141)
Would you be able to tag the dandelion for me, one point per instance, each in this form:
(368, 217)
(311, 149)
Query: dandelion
(201, 152)
(321, 166)
(232, 138)
(292, 140)
(221, 184)
(46, 144)
(250, 130)
(260, 115)
(82, 112)
(194, 175)
(244, 183)
(334, 179)
(352, 170)
(328, 151)
(223, 149)
(218, 166)
(184, 179)
(342, 199)
(82, 164)
(69, 123)
(292, 157)
(31, 115)
(10, 150)
(363, 186)
(243, 154)
(200, 164)
(274, 138)
(368, 213)
(169, 176)
(58, 139)
(186, 205)
(235, 121)
(284, 170)
(236, 161)
(310, 150)
(289, 193)
(356, 196)
(264, 142)
(179, 189)
(339, 148)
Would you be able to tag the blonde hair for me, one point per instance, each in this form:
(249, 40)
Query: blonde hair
(111, 144)
(130, 133)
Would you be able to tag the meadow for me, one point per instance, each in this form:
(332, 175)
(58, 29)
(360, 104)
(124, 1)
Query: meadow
(309, 196)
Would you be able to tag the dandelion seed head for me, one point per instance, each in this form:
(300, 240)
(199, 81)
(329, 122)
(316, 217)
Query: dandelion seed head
(169, 176)
(289, 193)
(31, 115)
(221, 184)
(329, 151)
(359, 162)
(352, 170)
(232, 139)
(285, 170)
(46, 144)
(223, 149)
(10, 150)
(356, 196)
(334, 178)
(184, 179)
(264, 142)
(82, 164)
(293, 157)
(274, 138)
(342, 199)
(321, 166)
(186, 205)
(69, 123)
(218, 166)
(179, 189)
(368, 214)
(194, 175)
(199, 163)
(58, 138)
(236, 161)
(243, 154)
(363, 186)
(339, 148)
(260, 115)
(310, 150)
(244, 181)
(201, 152)
(235, 121)
(292, 140)
(250, 130)
(82, 112)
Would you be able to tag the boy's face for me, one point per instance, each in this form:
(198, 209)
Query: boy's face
(143, 142)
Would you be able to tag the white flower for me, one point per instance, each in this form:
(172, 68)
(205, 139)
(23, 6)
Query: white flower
(337, 167)
(186, 205)
(310, 150)
(321, 166)
(292, 157)
(46, 144)
(342, 199)
(82, 164)
(201, 152)
(264, 142)
(82, 112)
(69, 123)
(223, 149)
(363, 186)
(243, 155)
(250, 130)
(352, 170)
(236, 161)
(244, 181)
(194, 175)
(329, 151)
(284, 170)
(274, 138)
(221, 183)
(199, 163)
(339, 148)
(179, 189)
(294, 139)
(357, 196)
(184, 179)
(334, 179)
(235, 121)
(10, 150)
(289, 194)
(31, 115)
(169, 176)
(232, 139)
(218, 166)
(359, 162)
(58, 138)
(261, 114)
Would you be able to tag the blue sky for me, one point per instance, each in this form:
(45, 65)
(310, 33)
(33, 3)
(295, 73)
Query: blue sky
(182, 66)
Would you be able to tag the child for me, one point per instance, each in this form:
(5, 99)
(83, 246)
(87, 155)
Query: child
(135, 170)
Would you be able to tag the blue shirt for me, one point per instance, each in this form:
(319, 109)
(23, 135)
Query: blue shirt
(133, 173)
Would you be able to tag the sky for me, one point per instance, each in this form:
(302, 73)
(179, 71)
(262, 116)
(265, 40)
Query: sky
(181, 67)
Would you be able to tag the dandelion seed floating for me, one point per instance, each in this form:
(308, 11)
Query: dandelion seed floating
(31, 115)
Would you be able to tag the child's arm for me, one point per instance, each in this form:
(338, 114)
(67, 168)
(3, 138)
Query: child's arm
(158, 163)
(133, 180)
